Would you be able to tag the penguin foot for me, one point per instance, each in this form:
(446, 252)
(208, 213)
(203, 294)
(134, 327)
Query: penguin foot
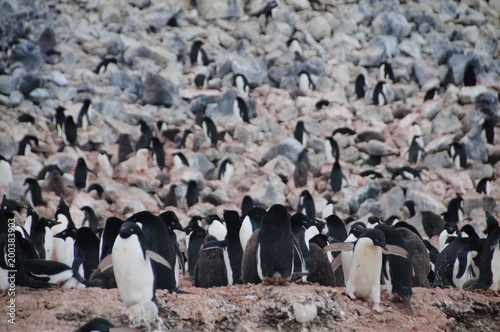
(177, 291)
(351, 296)
(378, 308)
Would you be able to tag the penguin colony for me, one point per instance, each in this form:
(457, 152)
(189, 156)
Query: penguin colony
(316, 235)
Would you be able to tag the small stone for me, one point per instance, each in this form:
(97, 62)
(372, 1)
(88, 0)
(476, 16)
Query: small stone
(304, 312)
(392, 24)
(468, 94)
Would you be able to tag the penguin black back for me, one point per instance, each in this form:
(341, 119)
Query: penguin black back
(86, 251)
(360, 86)
(235, 251)
(157, 150)
(35, 192)
(306, 204)
(70, 130)
(25, 144)
(197, 54)
(470, 75)
(108, 236)
(301, 169)
(210, 130)
(192, 194)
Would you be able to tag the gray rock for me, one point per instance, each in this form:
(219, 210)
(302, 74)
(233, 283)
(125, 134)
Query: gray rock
(289, 148)
(378, 50)
(304, 313)
(158, 90)
(424, 72)
(425, 201)
(410, 48)
(375, 114)
(141, 4)
(369, 190)
(359, 14)
(427, 19)
(281, 166)
(8, 84)
(16, 98)
(255, 70)
(64, 161)
(28, 54)
(146, 182)
(30, 82)
(372, 206)
(39, 95)
(319, 27)
(487, 103)
(269, 189)
(8, 147)
(210, 9)
(111, 14)
(393, 24)
(125, 82)
(391, 202)
(458, 62)
(201, 163)
(109, 107)
(225, 105)
(449, 8)
(439, 159)
(468, 94)
(474, 145)
(471, 17)
(445, 122)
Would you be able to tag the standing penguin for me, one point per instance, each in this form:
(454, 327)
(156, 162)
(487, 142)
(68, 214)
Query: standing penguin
(5, 172)
(59, 118)
(386, 72)
(483, 186)
(86, 252)
(195, 236)
(300, 133)
(470, 75)
(197, 54)
(331, 150)
(360, 86)
(81, 174)
(26, 144)
(305, 83)
(104, 164)
(34, 192)
(306, 204)
(42, 238)
(241, 84)
(489, 266)
(192, 194)
(157, 151)
(173, 224)
(240, 110)
(216, 227)
(415, 151)
(366, 264)
(379, 94)
(63, 217)
(234, 249)
(70, 131)
(458, 154)
(90, 219)
(83, 120)
(66, 251)
(210, 130)
(226, 170)
(336, 177)
(250, 224)
(212, 266)
(302, 167)
(299, 224)
(132, 266)
(108, 236)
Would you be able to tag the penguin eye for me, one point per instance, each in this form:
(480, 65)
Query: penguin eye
(172, 223)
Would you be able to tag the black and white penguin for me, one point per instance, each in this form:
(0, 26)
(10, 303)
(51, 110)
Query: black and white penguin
(81, 174)
(108, 236)
(336, 177)
(66, 251)
(488, 129)
(246, 204)
(406, 172)
(26, 118)
(226, 170)
(158, 236)
(174, 225)
(216, 227)
(366, 264)
(371, 174)
(336, 228)
(242, 87)
(52, 272)
(200, 81)
(379, 94)
(234, 249)
(27, 143)
(483, 186)
(5, 172)
(372, 222)
(458, 154)
(251, 222)
(469, 231)
(86, 254)
(30, 221)
(157, 151)
(306, 204)
(104, 164)
(131, 259)
(192, 194)
(141, 160)
(302, 166)
(99, 325)
(197, 54)
(146, 135)
(305, 83)
(70, 131)
(42, 238)
(415, 151)
(195, 237)
(180, 160)
(210, 130)
(458, 262)
(170, 198)
(431, 94)
(343, 131)
(455, 210)
(322, 103)
(34, 192)
(240, 110)
(328, 210)
(83, 120)
(470, 75)
(103, 64)
(63, 217)
(397, 271)
(300, 133)
(299, 224)
(360, 86)
(386, 72)
(95, 190)
(368, 135)
(90, 219)
(450, 230)
(489, 266)
(124, 147)
(59, 119)
(295, 49)
(331, 150)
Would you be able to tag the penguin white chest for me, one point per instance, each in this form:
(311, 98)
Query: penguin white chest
(133, 272)
(364, 274)
(218, 230)
(105, 167)
(495, 269)
(5, 173)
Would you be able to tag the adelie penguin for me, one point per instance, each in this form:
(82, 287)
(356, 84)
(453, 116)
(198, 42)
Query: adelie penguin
(489, 266)
(415, 151)
(216, 227)
(86, 252)
(103, 64)
(70, 131)
(195, 237)
(210, 130)
(197, 55)
(458, 154)
(5, 172)
(306, 204)
(271, 251)
(242, 86)
(240, 110)
(59, 119)
(192, 194)
(34, 192)
(302, 167)
(226, 170)
(470, 75)
(305, 83)
(488, 129)
(366, 264)
(42, 238)
(200, 81)
(386, 72)
(380, 94)
(83, 120)
(131, 259)
(360, 86)
(27, 143)
(331, 150)
(104, 165)
(295, 49)
(251, 222)
(90, 219)
(157, 151)
(336, 177)
(180, 160)
(81, 174)
(25, 118)
(300, 133)
(483, 186)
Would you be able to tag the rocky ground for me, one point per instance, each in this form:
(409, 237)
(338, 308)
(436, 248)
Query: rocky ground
(49, 50)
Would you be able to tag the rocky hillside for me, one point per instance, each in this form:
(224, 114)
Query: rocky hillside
(50, 53)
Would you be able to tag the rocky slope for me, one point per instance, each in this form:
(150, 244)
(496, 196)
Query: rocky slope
(50, 49)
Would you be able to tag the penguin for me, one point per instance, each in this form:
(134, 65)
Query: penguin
(30, 221)
(489, 265)
(90, 219)
(360, 86)
(173, 224)
(34, 191)
(108, 236)
(226, 170)
(371, 174)
(42, 238)
(336, 177)
(468, 231)
(306, 204)
(103, 64)
(86, 252)
(170, 199)
(250, 224)
(161, 242)
(200, 81)
(368, 135)
(366, 264)
(328, 210)
(131, 260)
(305, 83)
(450, 230)
(242, 86)
(455, 210)
(216, 227)
(180, 160)
(302, 167)
(104, 165)
(192, 194)
(277, 248)
(488, 129)
(458, 262)
(406, 172)
(322, 103)
(420, 258)
(83, 120)
(300, 133)
(66, 251)
(234, 248)
(102, 325)
(212, 266)
(458, 154)
(124, 147)
(59, 119)
(141, 160)
(343, 131)
(157, 151)
(331, 150)
(186, 140)
(431, 94)
(470, 75)
(63, 217)
(409, 208)
(52, 272)
(240, 110)
(397, 271)
(197, 54)
(300, 224)
(42, 174)
(416, 131)
(25, 118)
(491, 224)
(26, 145)
(483, 186)
(5, 172)
(146, 135)
(415, 151)
(195, 236)
(336, 228)
(81, 173)
(373, 221)
(95, 190)
(246, 204)
(379, 97)
(70, 131)
(295, 49)
(386, 72)
(210, 130)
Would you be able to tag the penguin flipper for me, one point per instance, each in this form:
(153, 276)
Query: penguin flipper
(106, 263)
(395, 250)
(339, 246)
(156, 257)
(336, 263)
(462, 263)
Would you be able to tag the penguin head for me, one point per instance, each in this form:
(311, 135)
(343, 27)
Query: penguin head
(68, 232)
(451, 227)
(373, 220)
(377, 237)
(357, 229)
(211, 218)
(49, 222)
(301, 220)
(129, 228)
(171, 220)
